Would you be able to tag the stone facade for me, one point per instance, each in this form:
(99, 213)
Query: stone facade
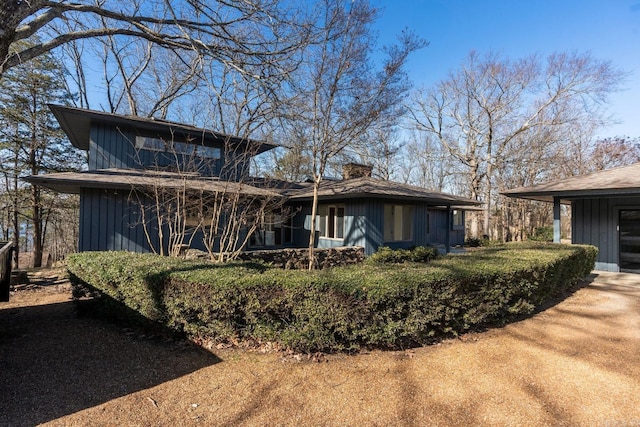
(297, 259)
(356, 170)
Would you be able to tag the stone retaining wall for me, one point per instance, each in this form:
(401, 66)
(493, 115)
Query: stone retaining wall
(298, 258)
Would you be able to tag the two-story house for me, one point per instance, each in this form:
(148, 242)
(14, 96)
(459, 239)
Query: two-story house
(127, 156)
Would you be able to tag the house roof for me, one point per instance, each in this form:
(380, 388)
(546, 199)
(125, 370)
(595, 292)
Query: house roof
(368, 187)
(76, 123)
(616, 182)
(128, 179)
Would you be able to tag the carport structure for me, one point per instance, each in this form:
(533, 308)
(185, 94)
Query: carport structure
(605, 212)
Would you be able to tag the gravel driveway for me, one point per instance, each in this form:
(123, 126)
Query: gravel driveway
(575, 364)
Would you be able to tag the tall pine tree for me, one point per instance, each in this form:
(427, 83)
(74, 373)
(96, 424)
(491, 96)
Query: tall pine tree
(31, 143)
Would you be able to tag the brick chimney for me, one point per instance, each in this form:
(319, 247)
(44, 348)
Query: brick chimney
(356, 170)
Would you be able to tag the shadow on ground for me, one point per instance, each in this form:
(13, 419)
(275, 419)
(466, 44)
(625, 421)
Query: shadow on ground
(53, 363)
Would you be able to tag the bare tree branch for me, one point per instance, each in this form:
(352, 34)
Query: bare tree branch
(240, 34)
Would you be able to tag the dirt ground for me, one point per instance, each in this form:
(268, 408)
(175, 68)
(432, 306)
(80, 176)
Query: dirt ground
(575, 364)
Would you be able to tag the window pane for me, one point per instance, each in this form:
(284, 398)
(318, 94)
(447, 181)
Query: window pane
(157, 144)
(288, 233)
(397, 222)
(321, 220)
(340, 223)
(321, 225)
(388, 223)
(457, 218)
(331, 222)
(407, 222)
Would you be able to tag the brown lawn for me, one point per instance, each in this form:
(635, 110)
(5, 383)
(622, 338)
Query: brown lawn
(577, 363)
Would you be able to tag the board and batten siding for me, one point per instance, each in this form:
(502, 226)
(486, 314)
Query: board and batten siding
(109, 222)
(439, 229)
(595, 222)
(114, 147)
(364, 226)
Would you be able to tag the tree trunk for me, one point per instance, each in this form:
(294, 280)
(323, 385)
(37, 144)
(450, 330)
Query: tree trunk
(16, 236)
(487, 196)
(15, 202)
(37, 226)
(36, 202)
(12, 14)
(312, 233)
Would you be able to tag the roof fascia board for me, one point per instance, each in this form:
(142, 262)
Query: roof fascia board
(76, 123)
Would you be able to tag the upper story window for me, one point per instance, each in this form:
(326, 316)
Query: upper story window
(157, 144)
(398, 223)
(331, 221)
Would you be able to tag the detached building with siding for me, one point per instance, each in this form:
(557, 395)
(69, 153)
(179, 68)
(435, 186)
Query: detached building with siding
(605, 212)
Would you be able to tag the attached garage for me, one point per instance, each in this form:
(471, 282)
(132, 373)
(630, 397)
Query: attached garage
(605, 212)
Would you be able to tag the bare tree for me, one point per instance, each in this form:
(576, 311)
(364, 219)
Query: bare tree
(379, 146)
(292, 164)
(492, 109)
(242, 35)
(31, 141)
(341, 93)
(188, 204)
(141, 78)
(62, 229)
(426, 164)
(612, 152)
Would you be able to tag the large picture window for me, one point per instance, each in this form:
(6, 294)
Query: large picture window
(398, 223)
(331, 221)
(157, 144)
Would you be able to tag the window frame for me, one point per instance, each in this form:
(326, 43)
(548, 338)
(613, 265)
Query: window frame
(457, 219)
(331, 221)
(279, 222)
(405, 226)
(182, 148)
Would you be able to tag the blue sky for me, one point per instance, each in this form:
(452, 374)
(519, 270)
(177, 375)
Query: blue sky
(609, 29)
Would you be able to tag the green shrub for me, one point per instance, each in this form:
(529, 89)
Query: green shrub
(340, 309)
(542, 234)
(386, 255)
(473, 242)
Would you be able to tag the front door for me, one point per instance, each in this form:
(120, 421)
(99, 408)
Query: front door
(629, 226)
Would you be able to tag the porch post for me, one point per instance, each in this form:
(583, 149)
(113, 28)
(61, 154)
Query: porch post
(447, 238)
(556, 220)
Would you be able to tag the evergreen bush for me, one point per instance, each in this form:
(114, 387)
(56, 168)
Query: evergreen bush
(339, 309)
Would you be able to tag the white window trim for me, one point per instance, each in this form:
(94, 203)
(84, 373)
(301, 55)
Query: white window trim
(335, 221)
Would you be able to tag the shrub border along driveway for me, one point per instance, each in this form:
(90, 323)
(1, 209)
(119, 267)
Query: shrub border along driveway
(575, 364)
(341, 309)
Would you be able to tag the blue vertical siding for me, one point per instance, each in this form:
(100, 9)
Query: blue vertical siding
(595, 222)
(109, 222)
(439, 222)
(364, 226)
(421, 225)
(357, 224)
(114, 147)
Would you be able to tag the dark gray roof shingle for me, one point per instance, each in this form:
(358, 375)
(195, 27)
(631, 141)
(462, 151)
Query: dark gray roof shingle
(371, 187)
(128, 179)
(620, 181)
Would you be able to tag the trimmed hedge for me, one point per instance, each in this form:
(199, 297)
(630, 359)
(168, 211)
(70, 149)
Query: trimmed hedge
(338, 309)
(386, 255)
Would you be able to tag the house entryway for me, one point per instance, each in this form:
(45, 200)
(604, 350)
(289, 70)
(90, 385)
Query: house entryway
(629, 226)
